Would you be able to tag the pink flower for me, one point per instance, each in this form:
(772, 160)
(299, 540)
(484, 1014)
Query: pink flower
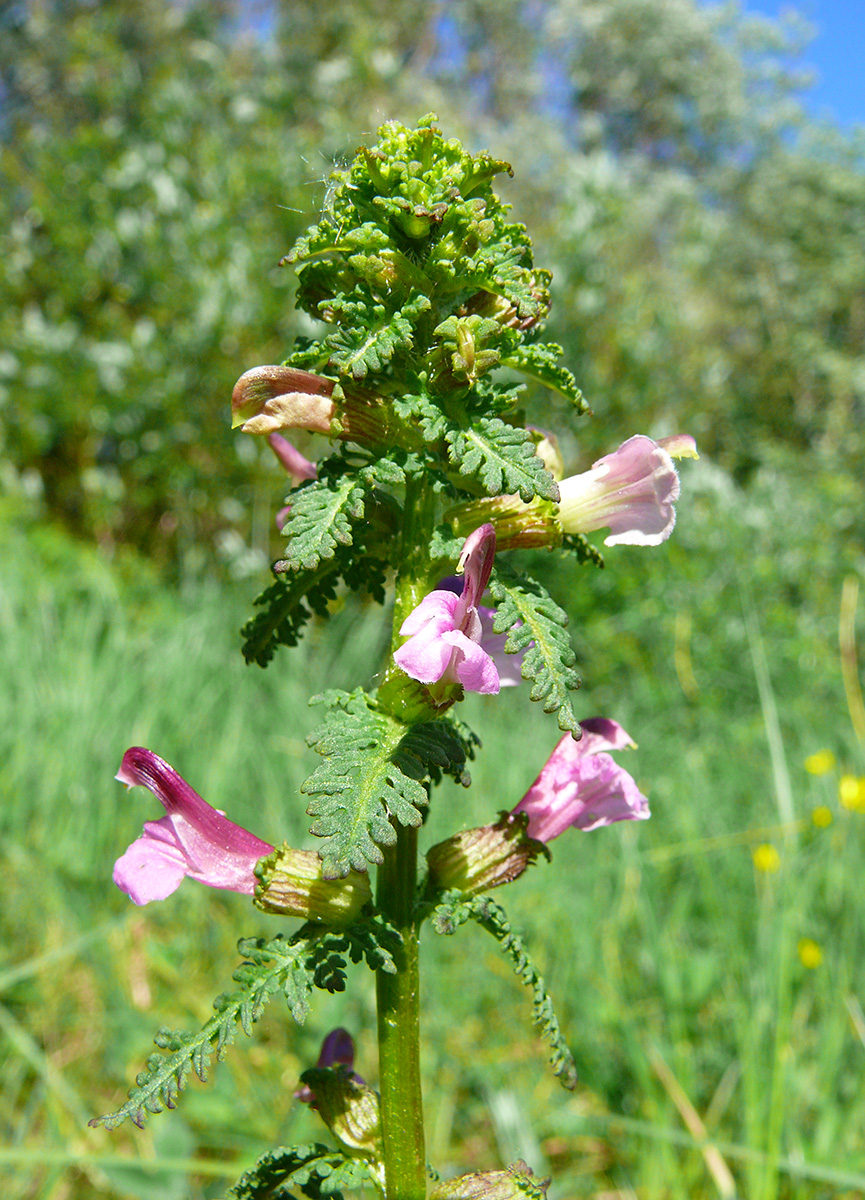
(509, 666)
(191, 839)
(631, 492)
(581, 785)
(445, 630)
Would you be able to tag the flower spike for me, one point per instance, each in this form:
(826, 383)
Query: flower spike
(191, 839)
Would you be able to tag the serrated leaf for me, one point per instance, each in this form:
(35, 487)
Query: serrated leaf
(288, 604)
(321, 518)
(160, 1085)
(359, 786)
(582, 548)
(502, 458)
(431, 749)
(313, 958)
(370, 335)
(313, 1169)
(329, 237)
(540, 362)
(422, 411)
(453, 910)
(536, 625)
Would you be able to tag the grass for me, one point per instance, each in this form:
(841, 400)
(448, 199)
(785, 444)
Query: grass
(713, 1060)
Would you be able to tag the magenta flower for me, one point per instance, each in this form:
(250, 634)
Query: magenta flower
(581, 785)
(631, 492)
(191, 839)
(444, 632)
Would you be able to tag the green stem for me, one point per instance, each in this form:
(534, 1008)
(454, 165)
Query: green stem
(399, 1029)
(398, 995)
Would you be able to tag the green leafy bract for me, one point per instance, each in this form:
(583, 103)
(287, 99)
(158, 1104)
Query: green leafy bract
(375, 769)
(285, 613)
(370, 335)
(502, 459)
(314, 1170)
(321, 518)
(289, 603)
(453, 910)
(539, 361)
(537, 626)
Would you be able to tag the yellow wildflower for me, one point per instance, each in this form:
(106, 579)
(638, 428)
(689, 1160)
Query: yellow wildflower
(822, 816)
(851, 793)
(766, 858)
(820, 763)
(810, 954)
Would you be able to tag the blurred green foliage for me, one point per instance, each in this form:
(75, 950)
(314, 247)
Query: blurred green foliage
(157, 160)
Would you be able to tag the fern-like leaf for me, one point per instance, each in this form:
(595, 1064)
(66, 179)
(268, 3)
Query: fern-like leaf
(359, 786)
(269, 967)
(288, 604)
(537, 626)
(453, 910)
(502, 458)
(321, 518)
(540, 362)
(314, 1170)
(370, 335)
(312, 958)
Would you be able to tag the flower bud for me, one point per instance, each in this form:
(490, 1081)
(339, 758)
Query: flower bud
(479, 859)
(270, 398)
(348, 1106)
(290, 883)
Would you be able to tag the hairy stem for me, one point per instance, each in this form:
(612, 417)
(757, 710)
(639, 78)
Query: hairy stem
(399, 1029)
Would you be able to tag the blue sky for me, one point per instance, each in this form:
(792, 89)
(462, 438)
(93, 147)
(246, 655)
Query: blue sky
(837, 53)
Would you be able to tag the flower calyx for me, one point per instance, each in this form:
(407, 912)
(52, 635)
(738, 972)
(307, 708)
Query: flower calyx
(290, 883)
(269, 399)
(516, 1182)
(476, 860)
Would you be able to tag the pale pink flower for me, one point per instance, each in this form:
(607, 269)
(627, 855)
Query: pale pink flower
(445, 630)
(632, 492)
(580, 785)
(509, 666)
(191, 839)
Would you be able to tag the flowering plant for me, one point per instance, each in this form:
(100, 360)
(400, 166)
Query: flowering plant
(432, 473)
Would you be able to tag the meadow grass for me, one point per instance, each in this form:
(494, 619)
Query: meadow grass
(707, 965)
